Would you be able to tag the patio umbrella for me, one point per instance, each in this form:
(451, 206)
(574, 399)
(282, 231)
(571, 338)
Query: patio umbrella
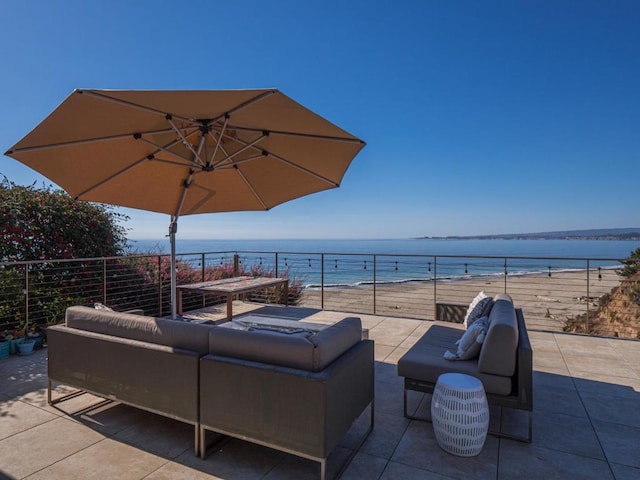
(187, 152)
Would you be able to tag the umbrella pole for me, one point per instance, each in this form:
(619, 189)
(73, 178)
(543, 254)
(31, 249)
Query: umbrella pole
(173, 228)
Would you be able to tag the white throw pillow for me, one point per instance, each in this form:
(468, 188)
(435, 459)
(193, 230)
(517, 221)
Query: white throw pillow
(476, 308)
(100, 306)
(471, 342)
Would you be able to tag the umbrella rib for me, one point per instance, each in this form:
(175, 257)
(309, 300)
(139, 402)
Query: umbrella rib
(240, 162)
(101, 96)
(218, 140)
(86, 141)
(110, 177)
(127, 168)
(246, 104)
(160, 148)
(303, 169)
(253, 190)
(185, 142)
(277, 157)
(228, 158)
(301, 135)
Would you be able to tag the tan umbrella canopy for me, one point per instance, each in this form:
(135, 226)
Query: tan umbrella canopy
(187, 152)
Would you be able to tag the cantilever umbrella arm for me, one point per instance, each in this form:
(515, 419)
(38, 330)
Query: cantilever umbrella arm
(173, 229)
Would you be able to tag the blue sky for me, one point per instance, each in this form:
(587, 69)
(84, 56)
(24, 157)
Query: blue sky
(479, 117)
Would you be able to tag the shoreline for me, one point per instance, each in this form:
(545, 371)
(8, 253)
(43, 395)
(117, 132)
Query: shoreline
(547, 302)
(455, 278)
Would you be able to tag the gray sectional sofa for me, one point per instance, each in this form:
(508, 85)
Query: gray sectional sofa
(297, 392)
(505, 363)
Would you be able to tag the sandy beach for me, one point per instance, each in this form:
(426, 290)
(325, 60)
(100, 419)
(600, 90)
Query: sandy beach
(547, 301)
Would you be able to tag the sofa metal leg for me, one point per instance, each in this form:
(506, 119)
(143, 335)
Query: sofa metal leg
(412, 417)
(62, 398)
(357, 449)
(405, 402)
(323, 469)
(196, 440)
(202, 440)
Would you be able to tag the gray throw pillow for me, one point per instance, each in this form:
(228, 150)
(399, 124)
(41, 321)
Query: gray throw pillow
(471, 342)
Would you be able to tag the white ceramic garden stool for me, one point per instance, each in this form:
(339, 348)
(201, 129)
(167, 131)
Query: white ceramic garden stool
(460, 414)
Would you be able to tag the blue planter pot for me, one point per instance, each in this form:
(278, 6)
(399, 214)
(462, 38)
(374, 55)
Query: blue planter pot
(14, 345)
(5, 349)
(26, 347)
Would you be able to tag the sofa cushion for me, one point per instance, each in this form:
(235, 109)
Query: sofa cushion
(298, 350)
(333, 341)
(498, 353)
(275, 348)
(171, 333)
(425, 360)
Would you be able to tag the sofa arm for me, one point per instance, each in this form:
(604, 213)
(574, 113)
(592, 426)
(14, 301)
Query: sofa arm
(296, 410)
(147, 375)
(524, 379)
(451, 311)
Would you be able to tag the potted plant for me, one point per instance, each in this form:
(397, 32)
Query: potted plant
(26, 343)
(36, 335)
(14, 337)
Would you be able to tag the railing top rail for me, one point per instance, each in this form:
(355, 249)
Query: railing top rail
(341, 254)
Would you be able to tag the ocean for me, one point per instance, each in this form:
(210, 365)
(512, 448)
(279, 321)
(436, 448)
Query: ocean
(511, 248)
(351, 262)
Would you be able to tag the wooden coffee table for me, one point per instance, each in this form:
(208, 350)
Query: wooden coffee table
(233, 286)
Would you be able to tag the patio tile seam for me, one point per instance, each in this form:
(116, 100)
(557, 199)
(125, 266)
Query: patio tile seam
(440, 474)
(160, 467)
(29, 428)
(388, 460)
(586, 410)
(595, 431)
(65, 457)
(564, 360)
(58, 413)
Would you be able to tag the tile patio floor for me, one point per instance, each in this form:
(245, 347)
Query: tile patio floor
(586, 425)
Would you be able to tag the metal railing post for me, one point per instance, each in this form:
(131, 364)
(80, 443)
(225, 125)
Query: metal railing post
(26, 297)
(374, 284)
(236, 264)
(435, 288)
(506, 274)
(202, 259)
(160, 285)
(322, 281)
(276, 267)
(104, 281)
(588, 300)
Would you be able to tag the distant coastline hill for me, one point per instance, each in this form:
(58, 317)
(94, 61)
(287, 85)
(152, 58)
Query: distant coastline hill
(594, 234)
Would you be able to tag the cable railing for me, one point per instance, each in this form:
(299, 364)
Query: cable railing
(554, 293)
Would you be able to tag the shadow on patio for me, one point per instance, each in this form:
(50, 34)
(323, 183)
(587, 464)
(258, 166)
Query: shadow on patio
(586, 424)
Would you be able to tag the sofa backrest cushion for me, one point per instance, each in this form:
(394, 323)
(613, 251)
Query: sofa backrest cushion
(287, 350)
(499, 350)
(295, 350)
(333, 341)
(171, 333)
